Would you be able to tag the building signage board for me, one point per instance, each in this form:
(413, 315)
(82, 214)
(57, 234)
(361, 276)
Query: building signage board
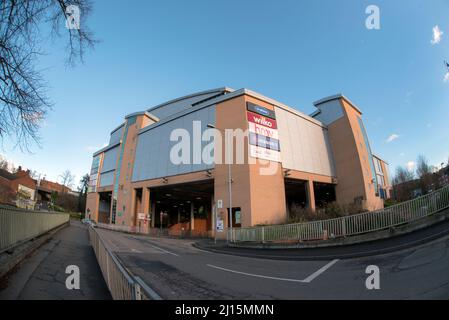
(260, 110)
(262, 153)
(261, 120)
(264, 131)
(263, 136)
(263, 141)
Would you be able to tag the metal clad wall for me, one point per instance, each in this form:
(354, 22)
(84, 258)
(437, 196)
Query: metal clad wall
(116, 136)
(110, 159)
(153, 147)
(172, 108)
(107, 179)
(330, 111)
(304, 145)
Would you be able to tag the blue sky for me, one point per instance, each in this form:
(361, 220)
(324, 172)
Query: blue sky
(293, 51)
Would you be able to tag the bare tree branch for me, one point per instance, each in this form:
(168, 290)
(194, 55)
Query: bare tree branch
(23, 99)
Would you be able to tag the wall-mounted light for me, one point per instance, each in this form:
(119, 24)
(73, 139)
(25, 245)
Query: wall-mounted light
(209, 173)
(164, 180)
(287, 173)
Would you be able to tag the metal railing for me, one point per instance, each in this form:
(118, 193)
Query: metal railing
(396, 215)
(121, 284)
(19, 225)
(115, 227)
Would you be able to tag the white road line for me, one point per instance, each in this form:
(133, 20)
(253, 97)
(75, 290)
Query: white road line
(254, 275)
(136, 251)
(306, 280)
(320, 271)
(163, 250)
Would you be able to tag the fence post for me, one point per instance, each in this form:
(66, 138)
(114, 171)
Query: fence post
(263, 234)
(343, 227)
(137, 293)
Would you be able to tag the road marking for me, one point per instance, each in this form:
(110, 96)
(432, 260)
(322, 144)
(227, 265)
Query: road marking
(254, 275)
(162, 250)
(136, 251)
(320, 271)
(306, 280)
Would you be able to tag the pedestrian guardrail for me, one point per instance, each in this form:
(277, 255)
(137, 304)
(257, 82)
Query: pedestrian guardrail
(115, 227)
(18, 225)
(393, 216)
(121, 284)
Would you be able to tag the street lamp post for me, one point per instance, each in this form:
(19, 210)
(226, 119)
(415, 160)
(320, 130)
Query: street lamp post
(229, 160)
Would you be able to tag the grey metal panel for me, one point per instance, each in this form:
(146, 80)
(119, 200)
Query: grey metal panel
(172, 108)
(116, 136)
(153, 147)
(110, 159)
(304, 144)
(330, 111)
(107, 179)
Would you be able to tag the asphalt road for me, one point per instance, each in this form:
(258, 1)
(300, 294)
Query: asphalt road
(177, 270)
(42, 275)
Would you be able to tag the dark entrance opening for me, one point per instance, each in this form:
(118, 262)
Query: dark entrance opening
(104, 207)
(183, 209)
(296, 198)
(324, 194)
(296, 193)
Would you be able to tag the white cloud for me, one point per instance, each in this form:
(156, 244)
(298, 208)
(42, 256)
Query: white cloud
(392, 137)
(410, 165)
(446, 77)
(437, 34)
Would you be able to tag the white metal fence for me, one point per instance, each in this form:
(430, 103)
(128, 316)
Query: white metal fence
(121, 284)
(349, 225)
(19, 225)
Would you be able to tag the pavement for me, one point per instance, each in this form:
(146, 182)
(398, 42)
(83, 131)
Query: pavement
(42, 275)
(176, 269)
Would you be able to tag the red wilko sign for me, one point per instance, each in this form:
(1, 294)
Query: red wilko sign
(258, 119)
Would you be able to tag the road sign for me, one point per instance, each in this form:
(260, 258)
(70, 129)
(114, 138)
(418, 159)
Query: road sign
(141, 216)
(220, 204)
(220, 225)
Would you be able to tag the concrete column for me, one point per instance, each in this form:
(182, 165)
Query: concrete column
(153, 213)
(146, 200)
(192, 218)
(145, 206)
(134, 207)
(311, 195)
(213, 222)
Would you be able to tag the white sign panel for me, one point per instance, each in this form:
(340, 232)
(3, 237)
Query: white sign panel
(220, 225)
(266, 154)
(262, 130)
(220, 204)
(141, 216)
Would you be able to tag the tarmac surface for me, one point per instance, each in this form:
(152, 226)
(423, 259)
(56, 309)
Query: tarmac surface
(42, 275)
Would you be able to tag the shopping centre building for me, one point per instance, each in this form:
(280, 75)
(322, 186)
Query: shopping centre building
(180, 165)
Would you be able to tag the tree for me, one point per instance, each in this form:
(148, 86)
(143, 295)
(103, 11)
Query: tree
(67, 179)
(422, 167)
(23, 100)
(403, 175)
(84, 184)
(403, 183)
(7, 195)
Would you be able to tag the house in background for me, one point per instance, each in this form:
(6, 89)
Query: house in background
(21, 190)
